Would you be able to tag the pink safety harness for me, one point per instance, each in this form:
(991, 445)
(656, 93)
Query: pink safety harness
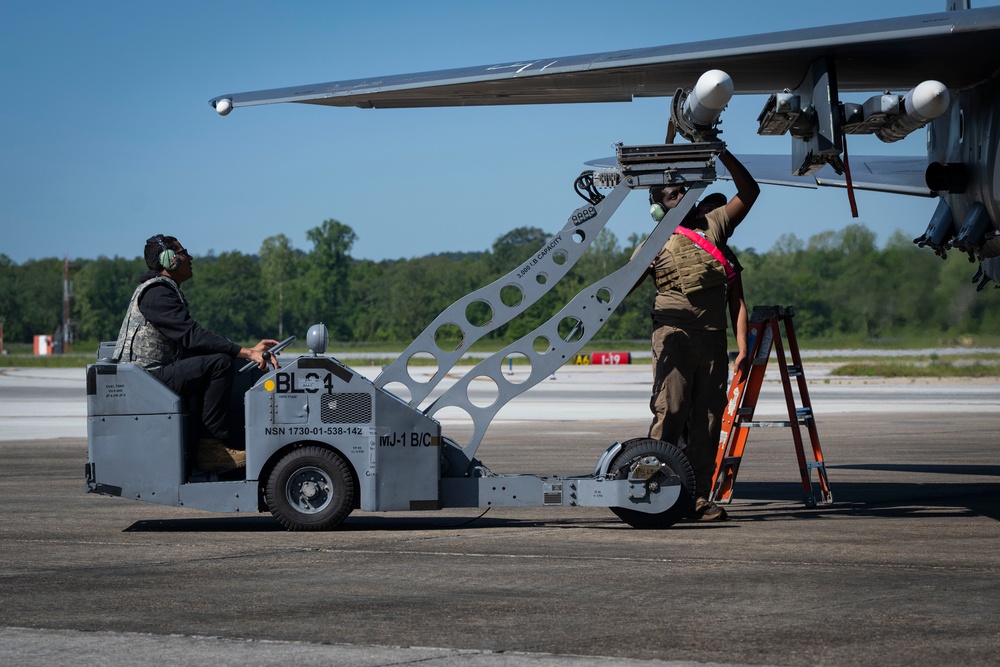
(710, 248)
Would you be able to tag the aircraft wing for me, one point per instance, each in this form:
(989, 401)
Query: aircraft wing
(894, 54)
(878, 173)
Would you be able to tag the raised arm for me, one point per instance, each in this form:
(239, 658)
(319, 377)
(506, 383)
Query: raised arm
(747, 189)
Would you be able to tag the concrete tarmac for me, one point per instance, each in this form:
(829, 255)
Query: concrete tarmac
(901, 569)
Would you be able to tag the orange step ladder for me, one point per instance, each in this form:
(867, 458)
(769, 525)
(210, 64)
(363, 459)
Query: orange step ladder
(764, 333)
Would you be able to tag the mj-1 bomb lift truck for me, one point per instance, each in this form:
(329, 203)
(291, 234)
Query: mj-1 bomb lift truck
(322, 440)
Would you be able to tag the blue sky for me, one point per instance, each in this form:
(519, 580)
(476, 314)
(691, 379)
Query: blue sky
(106, 136)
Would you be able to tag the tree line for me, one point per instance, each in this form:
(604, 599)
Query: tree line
(842, 285)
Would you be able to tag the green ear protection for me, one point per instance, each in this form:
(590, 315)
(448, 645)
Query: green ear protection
(168, 258)
(656, 209)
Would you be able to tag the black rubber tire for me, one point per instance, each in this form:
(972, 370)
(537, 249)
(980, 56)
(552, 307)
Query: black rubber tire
(310, 488)
(638, 449)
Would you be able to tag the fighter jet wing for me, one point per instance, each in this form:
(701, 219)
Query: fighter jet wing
(895, 54)
(878, 173)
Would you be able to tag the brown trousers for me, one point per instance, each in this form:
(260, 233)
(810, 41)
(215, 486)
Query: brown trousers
(690, 370)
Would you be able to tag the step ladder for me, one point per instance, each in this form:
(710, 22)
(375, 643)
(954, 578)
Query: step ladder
(764, 333)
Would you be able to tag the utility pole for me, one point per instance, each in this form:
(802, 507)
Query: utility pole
(66, 334)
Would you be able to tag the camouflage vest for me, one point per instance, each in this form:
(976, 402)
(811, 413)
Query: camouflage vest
(139, 342)
(691, 270)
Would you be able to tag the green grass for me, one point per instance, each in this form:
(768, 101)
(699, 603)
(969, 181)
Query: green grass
(900, 369)
(902, 341)
(981, 364)
(833, 357)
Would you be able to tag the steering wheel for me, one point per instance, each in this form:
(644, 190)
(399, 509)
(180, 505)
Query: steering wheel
(268, 353)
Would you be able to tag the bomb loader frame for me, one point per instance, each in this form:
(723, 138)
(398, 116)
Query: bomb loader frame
(322, 440)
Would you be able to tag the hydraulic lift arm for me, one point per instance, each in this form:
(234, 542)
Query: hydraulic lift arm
(549, 346)
(505, 298)
(509, 296)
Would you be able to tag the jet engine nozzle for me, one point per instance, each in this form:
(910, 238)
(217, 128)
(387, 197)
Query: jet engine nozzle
(921, 105)
(952, 177)
(696, 112)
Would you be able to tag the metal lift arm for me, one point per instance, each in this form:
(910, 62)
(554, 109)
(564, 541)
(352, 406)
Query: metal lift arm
(509, 296)
(549, 346)
(505, 299)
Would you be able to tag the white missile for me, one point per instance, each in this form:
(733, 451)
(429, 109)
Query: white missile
(928, 100)
(224, 106)
(695, 113)
(921, 105)
(705, 102)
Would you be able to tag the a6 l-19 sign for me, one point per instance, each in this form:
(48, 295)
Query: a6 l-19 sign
(610, 358)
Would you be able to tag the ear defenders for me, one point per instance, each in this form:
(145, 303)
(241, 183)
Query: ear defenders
(168, 258)
(656, 209)
(657, 212)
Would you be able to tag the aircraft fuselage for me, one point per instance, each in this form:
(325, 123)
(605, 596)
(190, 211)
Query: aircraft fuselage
(962, 148)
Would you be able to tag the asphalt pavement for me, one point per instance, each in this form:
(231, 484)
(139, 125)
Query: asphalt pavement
(901, 569)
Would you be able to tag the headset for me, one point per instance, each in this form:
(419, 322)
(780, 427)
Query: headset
(656, 209)
(168, 257)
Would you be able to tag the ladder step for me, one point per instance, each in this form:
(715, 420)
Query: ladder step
(773, 424)
(805, 416)
(765, 333)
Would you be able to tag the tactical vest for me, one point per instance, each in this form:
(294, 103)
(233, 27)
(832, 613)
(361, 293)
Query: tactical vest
(691, 270)
(139, 342)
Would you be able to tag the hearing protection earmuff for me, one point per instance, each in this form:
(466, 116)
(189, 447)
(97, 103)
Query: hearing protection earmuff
(656, 209)
(168, 258)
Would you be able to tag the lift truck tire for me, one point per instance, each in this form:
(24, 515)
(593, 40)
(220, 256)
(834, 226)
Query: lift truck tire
(671, 460)
(310, 488)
